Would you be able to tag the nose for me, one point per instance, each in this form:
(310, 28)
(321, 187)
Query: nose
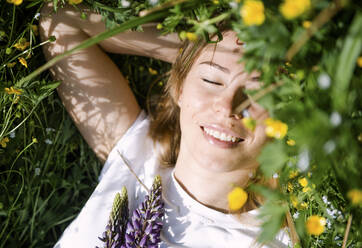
(227, 101)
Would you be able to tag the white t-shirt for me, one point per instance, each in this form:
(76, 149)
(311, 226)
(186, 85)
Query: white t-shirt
(187, 223)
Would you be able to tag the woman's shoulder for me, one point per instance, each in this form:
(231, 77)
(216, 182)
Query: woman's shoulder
(135, 145)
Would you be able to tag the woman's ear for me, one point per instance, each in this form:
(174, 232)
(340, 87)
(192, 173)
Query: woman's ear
(179, 98)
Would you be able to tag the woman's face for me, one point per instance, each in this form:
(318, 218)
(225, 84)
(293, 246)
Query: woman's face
(211, 132)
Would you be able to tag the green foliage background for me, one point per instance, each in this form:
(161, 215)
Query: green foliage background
(45, 182)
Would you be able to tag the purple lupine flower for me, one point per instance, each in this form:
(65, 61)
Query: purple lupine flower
(114, 235)
(144, 228)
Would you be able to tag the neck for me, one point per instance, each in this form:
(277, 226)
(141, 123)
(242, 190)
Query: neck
(211, 187)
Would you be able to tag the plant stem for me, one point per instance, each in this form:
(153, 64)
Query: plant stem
(348, 227)
(257, 96)
(133, 173)
(318, 22)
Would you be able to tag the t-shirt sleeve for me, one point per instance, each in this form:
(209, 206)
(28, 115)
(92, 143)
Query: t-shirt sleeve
(128, 142)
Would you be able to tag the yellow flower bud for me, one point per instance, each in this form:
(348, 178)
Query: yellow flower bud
(275, 128)
(303, 182)
(359, 61)
(13, 91)
(355, 196)
(191, 36)
(252, 12)
(23, 62)
(75, 1)
(291, 9)
(4, 141)
(152, 71)
(249, 123)
(237, 198)
(293, 174)
(315, 225)
(291, 142)
(307, 24)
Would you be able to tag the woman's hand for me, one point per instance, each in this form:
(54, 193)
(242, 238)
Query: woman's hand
(93, 90)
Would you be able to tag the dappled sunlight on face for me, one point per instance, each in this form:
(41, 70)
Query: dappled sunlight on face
(212, 90)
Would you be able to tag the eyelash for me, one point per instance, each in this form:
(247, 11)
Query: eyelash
(211, 82)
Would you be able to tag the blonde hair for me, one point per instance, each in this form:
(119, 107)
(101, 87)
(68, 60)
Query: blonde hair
(165, 122)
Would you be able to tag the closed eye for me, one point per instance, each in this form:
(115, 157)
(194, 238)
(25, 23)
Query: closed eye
(211, 82)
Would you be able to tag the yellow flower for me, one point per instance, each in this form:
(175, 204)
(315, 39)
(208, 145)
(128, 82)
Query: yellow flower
(359, 61)
(4, 141)
(16, 2)
(159, 26)
(11, 64)
(12, 91)
(359, 137)
(291, 142)
(303, 182)
(75, 1)
(252, 12)
(34, 28)
(294, 201)
(152, 71)
(249, 123)
(191, 36)
(303, 205)
(307, 24)
(290, 187)
(23, 62)
(293, 174)
(306, 189)
(237, 198)
(291, 9)
(35, 140)
(215, 1)
(355, 195)
(275, 128)
(315, 225)
(22, 44)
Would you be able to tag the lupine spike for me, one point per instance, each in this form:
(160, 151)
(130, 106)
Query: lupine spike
(145, 227)
(114, 235)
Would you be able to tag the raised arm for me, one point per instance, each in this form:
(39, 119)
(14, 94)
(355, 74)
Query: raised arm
(93, 90)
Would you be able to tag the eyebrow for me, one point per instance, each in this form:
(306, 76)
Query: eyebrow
(217, 66)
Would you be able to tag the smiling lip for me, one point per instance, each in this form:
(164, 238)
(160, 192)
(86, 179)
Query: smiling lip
(221, 143)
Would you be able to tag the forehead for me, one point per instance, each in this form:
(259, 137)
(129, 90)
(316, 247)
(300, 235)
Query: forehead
(227, 51)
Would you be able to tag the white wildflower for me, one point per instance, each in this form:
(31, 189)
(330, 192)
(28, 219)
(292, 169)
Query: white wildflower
(125, 3)
(36, 16)
(153, 2)
(48, 141)
(335, 119)
(245, 113)
(324, 81)
(49, 129)
(329, 146)
(37, 171)
(296, 215)
(233, 5)
(12, 134)
(303, 161)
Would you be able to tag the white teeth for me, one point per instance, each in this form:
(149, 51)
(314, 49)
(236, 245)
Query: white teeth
(221, 136)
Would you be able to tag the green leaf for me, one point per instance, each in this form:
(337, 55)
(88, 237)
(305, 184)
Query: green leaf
(272, 158)
(347, 62)
(273, 215)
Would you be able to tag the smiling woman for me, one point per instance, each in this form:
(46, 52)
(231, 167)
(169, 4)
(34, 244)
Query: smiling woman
(196, 131)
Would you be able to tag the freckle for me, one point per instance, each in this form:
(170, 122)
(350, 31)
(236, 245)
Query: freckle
(236, 50)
